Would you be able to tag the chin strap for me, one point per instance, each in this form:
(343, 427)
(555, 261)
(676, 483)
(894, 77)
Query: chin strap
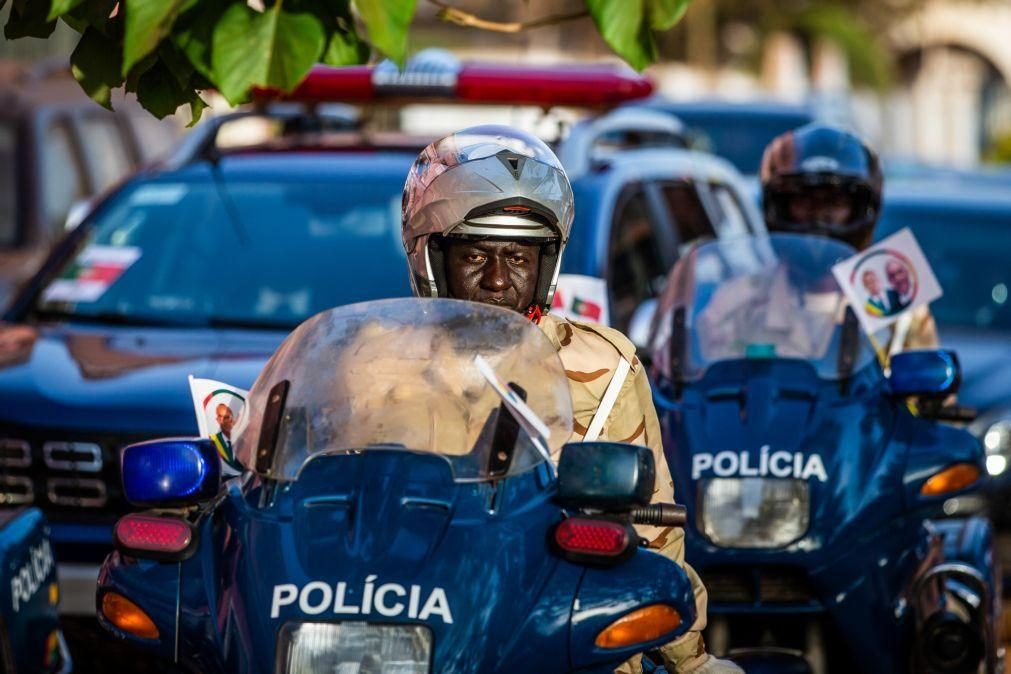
(534, 314)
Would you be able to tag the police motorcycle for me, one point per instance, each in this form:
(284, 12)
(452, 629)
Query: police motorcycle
(402, 514)
(818, 496)
(31, 639)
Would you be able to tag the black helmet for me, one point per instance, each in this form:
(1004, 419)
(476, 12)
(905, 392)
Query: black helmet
(827, 164)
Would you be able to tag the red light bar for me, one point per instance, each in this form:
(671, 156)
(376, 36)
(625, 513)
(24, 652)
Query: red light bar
(592, 85)
(584, 536)
(158, 535)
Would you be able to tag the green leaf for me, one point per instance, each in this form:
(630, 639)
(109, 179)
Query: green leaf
(386, 22)
(176, 62)
(159, 91)
(271, 49)
(622, 24)
(96, 65)
(197, 107)
(59, 8)
(345, 49)
(663, 14)
(93, 14)
(194, 32)
(29, 21)
(148, 22)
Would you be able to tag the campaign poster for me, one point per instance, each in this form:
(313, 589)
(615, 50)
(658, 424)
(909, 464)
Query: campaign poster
(887, 281)
(219, 408)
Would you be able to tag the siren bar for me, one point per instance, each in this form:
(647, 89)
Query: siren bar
(593, 85)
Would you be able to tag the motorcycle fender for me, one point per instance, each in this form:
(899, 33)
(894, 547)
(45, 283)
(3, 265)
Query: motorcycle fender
(608, 594)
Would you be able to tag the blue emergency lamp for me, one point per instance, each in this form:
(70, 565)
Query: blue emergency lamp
(931, 373)
(171, 473)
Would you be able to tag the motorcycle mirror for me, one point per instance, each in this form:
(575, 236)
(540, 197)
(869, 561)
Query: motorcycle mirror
(168, 473)
(930, 373)
(610, 476)
(640, 324)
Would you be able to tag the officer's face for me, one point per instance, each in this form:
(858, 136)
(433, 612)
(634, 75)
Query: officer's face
(503, 273)
(821, 205)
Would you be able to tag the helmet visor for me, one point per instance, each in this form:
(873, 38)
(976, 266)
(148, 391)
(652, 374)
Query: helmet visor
(834, 206)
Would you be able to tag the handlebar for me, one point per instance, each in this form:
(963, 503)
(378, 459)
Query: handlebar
(661, 515)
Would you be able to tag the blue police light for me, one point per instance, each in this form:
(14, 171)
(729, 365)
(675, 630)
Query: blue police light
(176, 472)
(931, 373)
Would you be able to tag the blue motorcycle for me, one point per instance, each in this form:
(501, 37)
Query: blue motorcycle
(401, 514)
(818, 495)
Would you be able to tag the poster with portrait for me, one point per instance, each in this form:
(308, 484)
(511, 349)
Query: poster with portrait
(219, 408)
(887, 281)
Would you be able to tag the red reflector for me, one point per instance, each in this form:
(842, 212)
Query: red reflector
(153, 534)
(591, 537)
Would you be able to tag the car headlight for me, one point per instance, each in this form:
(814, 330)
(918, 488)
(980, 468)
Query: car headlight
(351, 647)
(997, 443)
(754, 512)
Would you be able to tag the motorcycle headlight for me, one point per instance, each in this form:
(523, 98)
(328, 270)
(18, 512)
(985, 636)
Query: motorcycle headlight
(997, 443)
(754, 512)
(353, 647)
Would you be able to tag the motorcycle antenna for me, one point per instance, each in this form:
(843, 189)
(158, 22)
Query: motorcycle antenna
(849, 343)
(273, 414)
(507, 431)
(677, 351)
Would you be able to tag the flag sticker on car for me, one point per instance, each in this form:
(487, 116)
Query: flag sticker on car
(92, 274)
(581, 298)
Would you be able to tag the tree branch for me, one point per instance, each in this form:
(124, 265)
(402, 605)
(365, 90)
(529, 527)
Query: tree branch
(461, 18)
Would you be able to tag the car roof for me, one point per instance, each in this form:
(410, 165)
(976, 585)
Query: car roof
(946, 195)
(633, 165)
(291, 166)
(730, 108)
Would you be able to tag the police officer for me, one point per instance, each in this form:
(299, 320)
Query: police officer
(820, 179)
(486, 215)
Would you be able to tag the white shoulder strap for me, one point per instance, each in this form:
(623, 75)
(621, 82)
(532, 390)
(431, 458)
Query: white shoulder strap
(607, 402)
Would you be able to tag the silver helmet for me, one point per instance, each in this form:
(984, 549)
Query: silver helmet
(487, 182)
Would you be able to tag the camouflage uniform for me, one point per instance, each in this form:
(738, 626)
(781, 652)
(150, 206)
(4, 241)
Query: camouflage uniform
(590, 354)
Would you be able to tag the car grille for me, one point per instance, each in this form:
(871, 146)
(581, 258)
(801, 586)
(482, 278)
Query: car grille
(758, 585)
(66, 474)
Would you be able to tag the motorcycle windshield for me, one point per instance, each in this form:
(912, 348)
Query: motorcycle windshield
(763, 297)
(405, 374)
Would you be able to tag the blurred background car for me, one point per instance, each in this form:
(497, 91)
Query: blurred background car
(57, 150)
(736, 131)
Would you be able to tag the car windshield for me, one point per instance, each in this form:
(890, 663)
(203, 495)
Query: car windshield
(767, 297)
(8, 189)
(404, 374)
(973, 268)
(245, 252)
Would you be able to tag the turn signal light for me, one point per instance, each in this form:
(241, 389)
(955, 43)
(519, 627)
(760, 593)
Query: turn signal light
(952, 478)
(127, 616)
(585, 536)
(639, 626)
(158, 535)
